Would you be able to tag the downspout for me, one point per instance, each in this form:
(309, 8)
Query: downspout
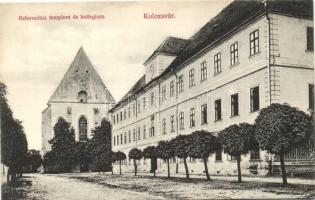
(176, 113)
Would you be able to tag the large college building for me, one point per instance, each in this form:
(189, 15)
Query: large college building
(81, 98)
(252, 54)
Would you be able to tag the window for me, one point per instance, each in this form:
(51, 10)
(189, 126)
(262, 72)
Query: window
(152, 127)
(311, 96)
(234, 53)
(129, 112)
(144, 132)
(125, 114)
(117, 116)
(117, 139)
(133, 109)
(114, 141)
(191, 77)
(172, 124)
(82, 129)
(254, 99)
(144, 102)
(204, 117)
(82, 95)
(164, 126)
(255, 154)
(121, 138)
(96, 111)
(217, 63)
(171, 88)
(125, 138)
(217, 110)
(180, 84)
(218, 155)
(254, 42)
(163, 93)
(234, 105)
(231, 158)
(152, 98)
(192, 117)
(114, 119)
(181, 120)
(310, 38)
(139, 133)
(69, 110)
(129, 136)
(134, 135)
(121, 117)
(139, 109)
(203, 71)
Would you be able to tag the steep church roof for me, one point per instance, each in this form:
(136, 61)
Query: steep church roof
(81, 76)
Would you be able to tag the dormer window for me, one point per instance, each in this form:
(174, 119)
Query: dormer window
(82, 95)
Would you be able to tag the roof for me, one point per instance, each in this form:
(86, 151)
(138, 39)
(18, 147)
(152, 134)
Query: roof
(171, 45)
(227, 20)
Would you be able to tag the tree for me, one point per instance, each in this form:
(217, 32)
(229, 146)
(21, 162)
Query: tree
(114, 158)
(34, 159)
(63, 146)
(119, 157)
(182, 146)
(151, 153)
(204, 144)
(165, 151)
(279, 128)
(100, 145)
(135, 154)
(84, 156)
(13, 139)
(236, 140)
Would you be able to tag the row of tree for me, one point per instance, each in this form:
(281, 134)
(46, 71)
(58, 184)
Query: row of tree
(277, 129)
(14, 146)
(66, 153)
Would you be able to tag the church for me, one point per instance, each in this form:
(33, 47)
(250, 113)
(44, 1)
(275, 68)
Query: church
(81, 98)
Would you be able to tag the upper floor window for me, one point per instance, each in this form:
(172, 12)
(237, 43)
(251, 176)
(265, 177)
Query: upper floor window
(82, 95)
(254, 42)
(129, 136)
(164, 126)
(217, 63)
(310, 39)
(121, 138)
(192, 117)
(217, 105)
(234, 53)
(151, 134)
(204, 117)
(82, 129)
(114, 119)
(139, 106)
(144, 132)
(254, 99)
(172, 123)
(191, 77)
(117, 139)
(203, 71)
(234, 105)
(125, 114)
(117, 116)
(152, 98)
(121, 117)
(171, 88)
(129, 112)
(133, 109)
(114, 140)
(144, 102)
(125, 138)
(180, 84)
(181, 120)
(139, 133)
(163, 93)
(311, 96)
(134, 135)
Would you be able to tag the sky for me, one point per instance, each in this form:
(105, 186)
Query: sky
(35, 54)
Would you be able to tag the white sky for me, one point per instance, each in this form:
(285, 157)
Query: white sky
(36, 54)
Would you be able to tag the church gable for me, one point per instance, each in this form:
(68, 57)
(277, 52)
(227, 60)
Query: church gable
(81, 83)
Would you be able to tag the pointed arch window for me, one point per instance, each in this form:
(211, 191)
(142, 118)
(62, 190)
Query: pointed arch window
(82, 129)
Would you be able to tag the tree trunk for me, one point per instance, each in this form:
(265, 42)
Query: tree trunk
(283, 173)
(176, 167)
(206, 168)
(239, 175)
(168, 168)
(186, 168)
(119, 167)
(134, 162)
(154, 173)
(270, 168)
(8, 175)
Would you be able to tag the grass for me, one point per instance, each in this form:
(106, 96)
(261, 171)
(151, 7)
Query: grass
(15, 191)
(175, 187)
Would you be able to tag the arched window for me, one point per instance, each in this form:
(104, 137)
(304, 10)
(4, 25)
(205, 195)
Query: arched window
(82, 129)
(82, 95)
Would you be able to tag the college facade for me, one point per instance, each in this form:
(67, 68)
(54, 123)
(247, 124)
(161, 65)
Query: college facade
(252, 54)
